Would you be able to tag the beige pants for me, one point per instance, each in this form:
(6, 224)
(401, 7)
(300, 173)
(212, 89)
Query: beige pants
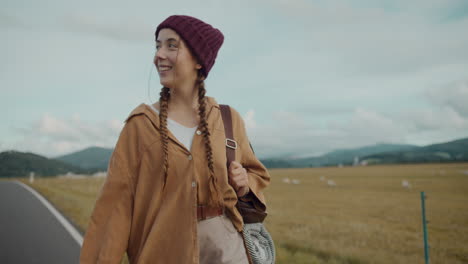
(220, 243)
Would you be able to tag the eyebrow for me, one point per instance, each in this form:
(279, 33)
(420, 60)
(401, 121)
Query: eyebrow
(168, 40)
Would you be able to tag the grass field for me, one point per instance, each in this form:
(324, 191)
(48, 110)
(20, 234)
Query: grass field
(368, 217)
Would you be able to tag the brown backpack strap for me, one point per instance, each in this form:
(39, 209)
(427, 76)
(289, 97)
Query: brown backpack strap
(231, 144)
(250, 213)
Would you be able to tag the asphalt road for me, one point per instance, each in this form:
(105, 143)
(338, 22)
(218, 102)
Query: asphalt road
(29, 232)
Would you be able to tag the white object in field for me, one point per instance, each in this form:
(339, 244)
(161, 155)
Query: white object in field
(295, 181)
(406, 184)
(356, 161)
(286, 180)
(100, 174)
(31, 177)
(331, 183)
(322, 178)
(71, 175)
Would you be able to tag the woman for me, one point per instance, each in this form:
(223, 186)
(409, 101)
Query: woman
(169, 196)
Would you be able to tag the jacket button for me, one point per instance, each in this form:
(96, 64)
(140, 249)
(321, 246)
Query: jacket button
(194, 184)
(198, 132)
(189, 157)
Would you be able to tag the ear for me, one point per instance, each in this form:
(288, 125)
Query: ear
(198, 66)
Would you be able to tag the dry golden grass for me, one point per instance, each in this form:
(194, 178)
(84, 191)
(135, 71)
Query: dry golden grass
(367, 218)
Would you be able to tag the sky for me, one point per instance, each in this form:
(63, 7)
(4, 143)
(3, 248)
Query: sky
(308, 77)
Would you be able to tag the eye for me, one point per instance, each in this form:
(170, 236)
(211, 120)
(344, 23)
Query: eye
(157, 47)
(172, 45)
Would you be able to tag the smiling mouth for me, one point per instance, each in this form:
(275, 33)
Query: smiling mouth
(164, 68)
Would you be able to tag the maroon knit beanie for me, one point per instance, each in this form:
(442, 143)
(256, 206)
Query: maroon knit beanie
(202, 39)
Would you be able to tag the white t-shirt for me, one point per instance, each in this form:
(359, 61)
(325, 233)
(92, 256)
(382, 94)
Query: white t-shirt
(182, 133)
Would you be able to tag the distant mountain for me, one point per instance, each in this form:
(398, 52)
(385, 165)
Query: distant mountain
(20, 164)
(452, 151)
(90, 158)
(336, 157)
(276, 163)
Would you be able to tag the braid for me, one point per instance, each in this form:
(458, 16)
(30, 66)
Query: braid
(216, 198)
(164, 97)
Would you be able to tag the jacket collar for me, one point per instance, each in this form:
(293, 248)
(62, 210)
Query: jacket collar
(144, 109)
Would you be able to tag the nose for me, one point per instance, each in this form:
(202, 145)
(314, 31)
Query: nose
(160, 54)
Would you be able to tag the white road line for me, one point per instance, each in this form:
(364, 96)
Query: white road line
(73, 232)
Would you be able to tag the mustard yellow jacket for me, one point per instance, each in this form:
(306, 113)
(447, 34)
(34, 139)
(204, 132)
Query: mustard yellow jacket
(132, 214)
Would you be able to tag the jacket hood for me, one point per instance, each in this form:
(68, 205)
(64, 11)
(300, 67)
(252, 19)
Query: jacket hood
(144, 109)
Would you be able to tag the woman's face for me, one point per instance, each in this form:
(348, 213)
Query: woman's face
(175, 63)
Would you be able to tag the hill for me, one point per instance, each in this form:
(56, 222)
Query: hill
(95, 159)
(89, 158)
(20, 164)
(336, 157)
(453, 151)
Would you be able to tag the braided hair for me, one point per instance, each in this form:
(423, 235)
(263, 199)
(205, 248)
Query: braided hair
(215, 196)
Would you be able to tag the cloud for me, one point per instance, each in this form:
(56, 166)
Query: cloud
(436, 119)
(366, 127)
(53, 136)
(453, 95)
(249, 120)
(284, 137)
(8, 21)
(321, 75)
(128, 28)
(292, 135)
(350, 56)
(374, 38)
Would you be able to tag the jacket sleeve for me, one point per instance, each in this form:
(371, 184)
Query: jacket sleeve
(259, 178)
(108, 231)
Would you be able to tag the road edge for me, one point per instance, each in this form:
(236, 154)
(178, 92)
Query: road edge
(65, 223)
